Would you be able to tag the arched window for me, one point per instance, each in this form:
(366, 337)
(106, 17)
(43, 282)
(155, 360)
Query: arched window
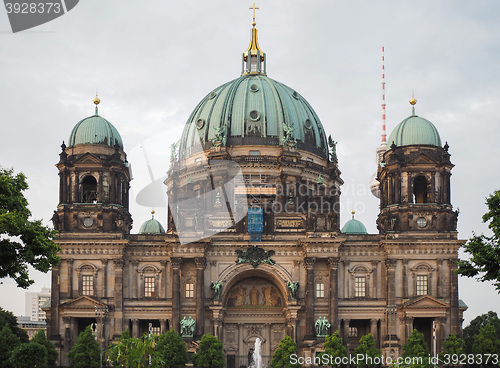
(89, 189)
(420, 189)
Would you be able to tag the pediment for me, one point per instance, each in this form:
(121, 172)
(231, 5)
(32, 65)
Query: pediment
(89, 158)
(425, 302)
(422, 158)
(82, 302)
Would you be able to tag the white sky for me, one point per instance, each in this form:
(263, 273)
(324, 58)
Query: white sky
(154, 61)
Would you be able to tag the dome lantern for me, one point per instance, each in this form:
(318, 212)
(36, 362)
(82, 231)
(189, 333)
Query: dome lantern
(254, 59)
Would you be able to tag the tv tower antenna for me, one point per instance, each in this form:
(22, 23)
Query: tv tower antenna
(384, 135)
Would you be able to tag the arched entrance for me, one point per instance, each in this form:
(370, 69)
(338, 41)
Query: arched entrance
(255, 306)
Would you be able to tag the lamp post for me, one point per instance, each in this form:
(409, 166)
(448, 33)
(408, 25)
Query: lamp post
(390, 310)
(101, 312)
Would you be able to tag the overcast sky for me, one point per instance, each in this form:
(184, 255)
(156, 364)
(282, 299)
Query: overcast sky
(154, 61)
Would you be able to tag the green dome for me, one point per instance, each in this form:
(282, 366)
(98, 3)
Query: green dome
(354, 226)
(414, 130)
(151, 226)
(95, 130)
(253, 109)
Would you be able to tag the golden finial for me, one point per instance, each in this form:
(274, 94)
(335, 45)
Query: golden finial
(413, 102)
(352, 213)
(254, 8)
(96, 101)
(153, 214)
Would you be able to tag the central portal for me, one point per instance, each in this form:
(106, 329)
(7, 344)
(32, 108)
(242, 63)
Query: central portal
(255, 307)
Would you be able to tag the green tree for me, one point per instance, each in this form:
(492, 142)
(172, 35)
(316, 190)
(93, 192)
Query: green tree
(475, 325)
(416, 347)
(134, 353)
(210, 354)
(8, 318)
(367, 348)
(281, 358)
(22, 242)
(50, 348)
(85, 353)
(8, 341)
(452, 346)
(484, 262)
(486, 341)
(334, 347)
(29, 355)
(171, 350)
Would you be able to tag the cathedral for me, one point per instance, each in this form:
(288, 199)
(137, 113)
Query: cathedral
(253, 246)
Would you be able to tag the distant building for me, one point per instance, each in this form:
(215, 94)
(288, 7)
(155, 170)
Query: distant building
(31, 327)
(34, 303)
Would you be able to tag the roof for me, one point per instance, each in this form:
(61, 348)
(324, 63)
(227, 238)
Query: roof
(414, 130)
(253, 110)
(353, 227)
(151, 226)
(95, 130)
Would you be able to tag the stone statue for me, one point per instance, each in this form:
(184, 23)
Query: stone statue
(288, 138)
(333, 148)
(322, 327)
(187, 327)
(219, 139)
(55, 220)
(216, 286)
(173, 152)
(294, 289)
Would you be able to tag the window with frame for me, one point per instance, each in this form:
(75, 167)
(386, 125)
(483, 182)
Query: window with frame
(422, 285)
(320, 290)
(189, 290)
(149, 286)
(353, 332)
(360, 286)
(88, 285)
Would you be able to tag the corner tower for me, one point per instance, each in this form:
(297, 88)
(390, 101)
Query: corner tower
(414, 180)
(94, 179)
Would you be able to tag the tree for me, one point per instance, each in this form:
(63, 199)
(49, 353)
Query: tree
(85, 353)
(29, 355)
(50, 348)
(334, 347)
(416, 347)
(452, 346)
(22, 242)
(133, 352)
(475, 325)
(8, 318)
(281, 358)
(367, 349)
(486, 341)
(8, 341)
(484, 262)
(172, 350)
(210, 354)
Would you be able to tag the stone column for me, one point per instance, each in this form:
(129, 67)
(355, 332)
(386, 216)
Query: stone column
(309, 266)
(135, 328)
(439, 333)
(176, 292)
(374, 331)
(163, 280)
(391, 297)
(405, 279)
(70, 278)
(456, 325)
(346, 280)
(409, 327)
(118, 295)
(201, 264)
(163, 326)
(333, 304)
(375, 280)
(104, 285)
(53, 324)
(346, 333)
(439, 278)
(68, 338)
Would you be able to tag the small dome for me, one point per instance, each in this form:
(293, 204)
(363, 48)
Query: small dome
(353, 227)
(95, 130)
(151, 226)
(253, 110)
(414, 130)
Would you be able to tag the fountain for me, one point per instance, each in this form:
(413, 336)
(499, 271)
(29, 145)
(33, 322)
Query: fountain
(256, 356)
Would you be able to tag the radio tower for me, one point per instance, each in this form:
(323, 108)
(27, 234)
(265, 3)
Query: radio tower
(383, 146)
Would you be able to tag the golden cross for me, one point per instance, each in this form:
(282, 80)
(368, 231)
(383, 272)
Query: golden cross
(253, 8)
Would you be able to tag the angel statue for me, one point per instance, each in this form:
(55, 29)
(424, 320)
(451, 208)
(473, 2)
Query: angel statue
(333, 148)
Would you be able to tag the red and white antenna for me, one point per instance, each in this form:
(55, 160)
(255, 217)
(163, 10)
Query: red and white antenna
(384, 135)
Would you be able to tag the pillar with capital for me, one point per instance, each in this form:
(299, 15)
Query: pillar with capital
(118, 295)
(309, 266)
(201, 264)
(135, 328)
(176, 292)
(333, 263)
